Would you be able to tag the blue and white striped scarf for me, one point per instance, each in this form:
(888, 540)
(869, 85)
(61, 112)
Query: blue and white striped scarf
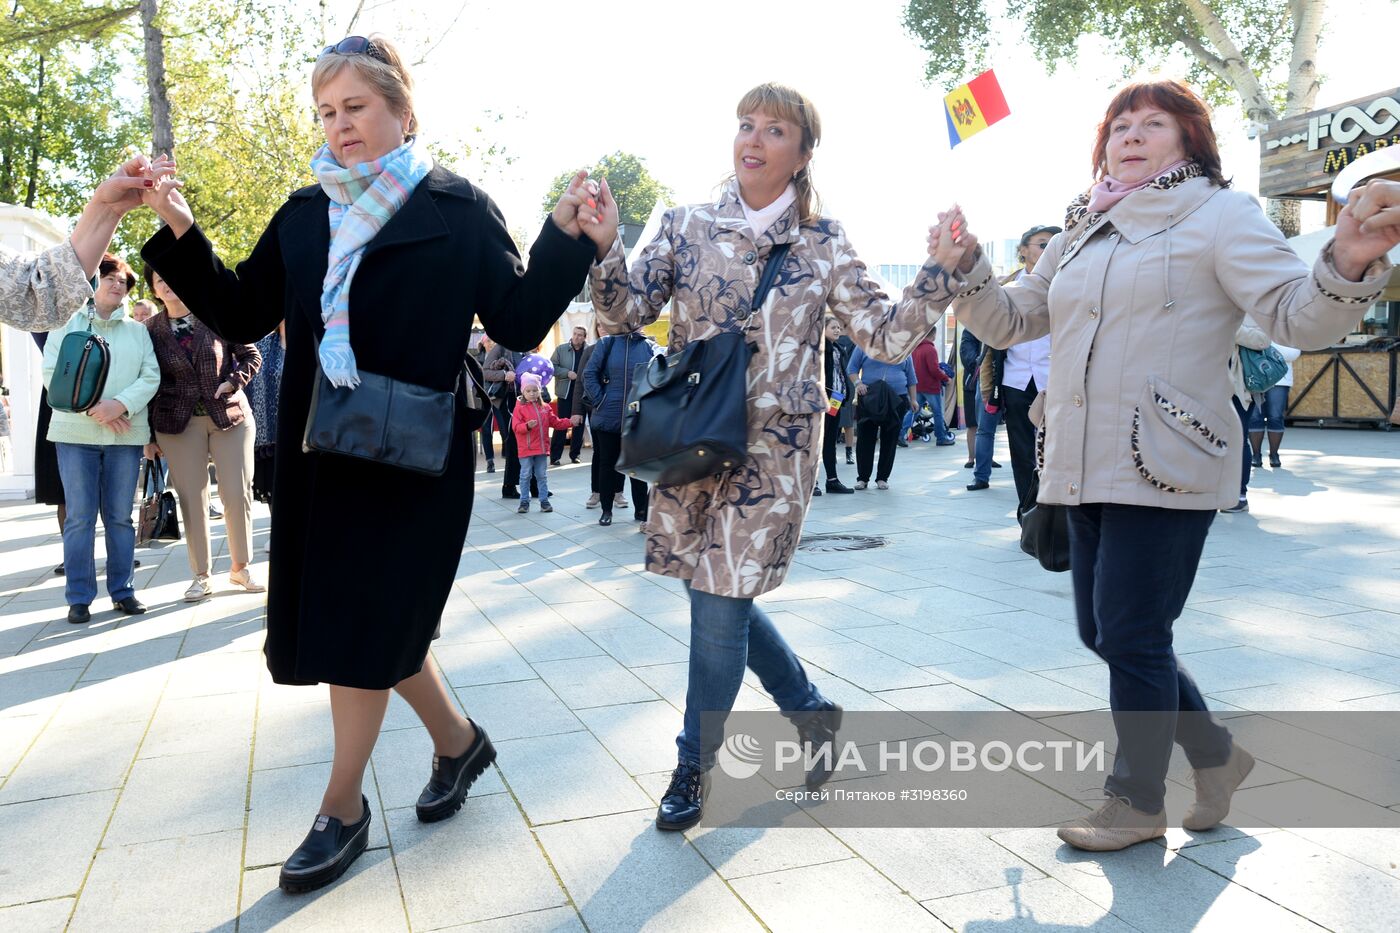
(363, 198)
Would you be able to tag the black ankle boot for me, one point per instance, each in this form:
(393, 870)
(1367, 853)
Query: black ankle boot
(453, 777)
(817, 728)
(327, 851)
(684, 801)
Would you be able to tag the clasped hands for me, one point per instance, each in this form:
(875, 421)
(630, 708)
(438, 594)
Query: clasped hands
(587, 209)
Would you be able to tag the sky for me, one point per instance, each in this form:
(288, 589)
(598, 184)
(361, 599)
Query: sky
(661, 80)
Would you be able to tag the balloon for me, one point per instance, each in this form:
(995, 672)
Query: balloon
(534, 363)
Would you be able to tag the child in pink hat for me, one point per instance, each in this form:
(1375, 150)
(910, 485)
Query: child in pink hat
(532, 422)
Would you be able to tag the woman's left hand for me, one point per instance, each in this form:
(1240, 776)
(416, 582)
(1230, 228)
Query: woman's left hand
(599, 218)
(106, 412)
(1367, 228)
(950, 243)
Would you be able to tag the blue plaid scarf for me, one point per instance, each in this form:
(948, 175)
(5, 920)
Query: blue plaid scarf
(363, 198)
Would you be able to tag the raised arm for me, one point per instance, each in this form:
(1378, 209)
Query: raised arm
(887, 333)
(627, 300)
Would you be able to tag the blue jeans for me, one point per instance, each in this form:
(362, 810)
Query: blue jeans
(727, 634)
(534, 467)
(934, 400)
(98, 478)
(986, 438)
(1132, 568)
(1271, 413)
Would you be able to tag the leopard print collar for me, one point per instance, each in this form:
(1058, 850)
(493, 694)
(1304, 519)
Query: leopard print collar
(1078, 214)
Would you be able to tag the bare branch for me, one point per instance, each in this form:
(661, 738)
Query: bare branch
(460, 10)
(1212, 62)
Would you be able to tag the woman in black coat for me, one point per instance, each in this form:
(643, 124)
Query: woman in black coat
(441, 257)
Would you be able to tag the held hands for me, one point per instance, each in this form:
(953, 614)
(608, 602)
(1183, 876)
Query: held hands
(576, 420)
(169, 204)
(1367, 228)
(951, 244)
(588, 208)
(124, 190)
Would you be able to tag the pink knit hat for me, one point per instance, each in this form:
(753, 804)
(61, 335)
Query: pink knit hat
(528, 380)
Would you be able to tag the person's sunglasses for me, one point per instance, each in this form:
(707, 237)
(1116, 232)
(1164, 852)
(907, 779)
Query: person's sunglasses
(355, 45)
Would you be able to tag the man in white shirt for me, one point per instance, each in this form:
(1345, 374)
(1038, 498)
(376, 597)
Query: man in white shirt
(1025, 373)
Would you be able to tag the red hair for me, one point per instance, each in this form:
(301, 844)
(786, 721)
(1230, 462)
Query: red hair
(1190, 112)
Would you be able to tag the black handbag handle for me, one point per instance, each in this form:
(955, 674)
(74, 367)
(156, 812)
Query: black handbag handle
(770, 272)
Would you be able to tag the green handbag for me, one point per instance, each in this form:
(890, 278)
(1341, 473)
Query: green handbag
(80, 374)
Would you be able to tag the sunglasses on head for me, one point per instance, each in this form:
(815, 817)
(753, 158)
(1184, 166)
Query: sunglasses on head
(355, 45)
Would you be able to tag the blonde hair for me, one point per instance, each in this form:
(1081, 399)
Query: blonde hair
(382, 68)
(789, 104)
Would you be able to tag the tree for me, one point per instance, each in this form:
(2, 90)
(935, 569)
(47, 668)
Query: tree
(1260, 54)
(632, 186)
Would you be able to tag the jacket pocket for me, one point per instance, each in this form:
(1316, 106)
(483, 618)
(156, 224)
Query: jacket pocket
(1178, 443)
(802, 398)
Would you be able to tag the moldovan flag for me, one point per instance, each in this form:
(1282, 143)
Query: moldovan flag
(974, 106)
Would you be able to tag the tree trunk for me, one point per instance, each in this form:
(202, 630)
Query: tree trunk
(162, 133)
(37, 142)
(1303, 83)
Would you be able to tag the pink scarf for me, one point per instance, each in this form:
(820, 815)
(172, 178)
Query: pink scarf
(1110, 191)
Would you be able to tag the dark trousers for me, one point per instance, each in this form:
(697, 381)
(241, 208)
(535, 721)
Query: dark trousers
(488, 446)
(607, 447)
(1020, 434)
(867, 433)
(830, 435)
(1132, 567)
(560, 438)
(1244, 414)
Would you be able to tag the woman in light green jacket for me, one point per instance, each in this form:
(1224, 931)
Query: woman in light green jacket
(99, 450)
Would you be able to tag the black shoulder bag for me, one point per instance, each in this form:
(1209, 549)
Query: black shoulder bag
(687, 415)
(390, 421)
(1044, 529)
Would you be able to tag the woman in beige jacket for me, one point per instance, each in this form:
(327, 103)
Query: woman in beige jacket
(732, 537)
(1158, 265)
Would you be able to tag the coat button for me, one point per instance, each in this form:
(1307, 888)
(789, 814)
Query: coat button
(1073, 489)
(750, 257)
(1094, 311)
(1078, 402)
(1113, 236)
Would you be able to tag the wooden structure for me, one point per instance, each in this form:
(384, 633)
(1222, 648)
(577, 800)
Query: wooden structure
(1346, 385)
(1299, 156)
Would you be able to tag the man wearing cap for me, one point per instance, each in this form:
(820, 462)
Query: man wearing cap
(1024, 373)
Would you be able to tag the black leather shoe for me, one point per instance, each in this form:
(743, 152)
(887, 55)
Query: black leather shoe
(605, 518)
(816, 490)
(131, 606)
(901, 443)
(78, 614)
(684, 801)
(327, 851)
(1257, 460)
(510, 492)
(979, 484)
(836, 486)
(817, 728)
(995, 465)
(490, 466)
(452, 777)
(554, 463)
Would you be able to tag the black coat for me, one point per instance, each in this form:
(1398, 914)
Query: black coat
(364, 555)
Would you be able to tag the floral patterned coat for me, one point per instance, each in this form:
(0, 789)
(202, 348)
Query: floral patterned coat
(735, 534)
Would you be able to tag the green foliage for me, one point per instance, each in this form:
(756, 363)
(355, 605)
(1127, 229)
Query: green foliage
(958, 35)
(632, 186)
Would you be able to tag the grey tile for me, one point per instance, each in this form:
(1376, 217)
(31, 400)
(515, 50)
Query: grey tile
(738, 851)
(487, 662)
(552, 641)
(403, 762)
(74, 761)
(293, 734)
(517, 710)
(179, 884)
(368, 893)
(184, 725)
(623, 875)
(553, 920)
(55, 863)
(847, 895)
(868, 668)
(16, 735)
(129, 656)
(641, 736)
(1030, 654)
(1013, 687)
(587, 682)
(433, 860)
(911, 646)
(639, 645)
(937, 863)
(1024, 907)
(40, 917)
(531, 770)
(181, 795)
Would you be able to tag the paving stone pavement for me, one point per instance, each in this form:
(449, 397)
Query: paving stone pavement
(153, 778)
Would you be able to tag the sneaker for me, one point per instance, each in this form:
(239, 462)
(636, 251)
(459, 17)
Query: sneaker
(620, 501)
(545, 506)
(554, 463)
(684, 801)
(1241, 506)
(1214, 787)
(214, 511)
(243, 578)
(200, 588)
(593, 501)
(524, 507)
(850, 457)
(881, 484)
(1113, 826)
(862, 484)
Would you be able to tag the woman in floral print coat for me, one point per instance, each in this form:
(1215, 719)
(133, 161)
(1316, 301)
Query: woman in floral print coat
(732, 537)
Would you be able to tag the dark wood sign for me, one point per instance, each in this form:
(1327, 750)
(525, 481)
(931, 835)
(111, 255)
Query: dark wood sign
(1300, 155)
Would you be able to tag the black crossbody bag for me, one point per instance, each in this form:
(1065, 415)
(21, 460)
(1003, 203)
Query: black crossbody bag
(687, 415)
(390, 421)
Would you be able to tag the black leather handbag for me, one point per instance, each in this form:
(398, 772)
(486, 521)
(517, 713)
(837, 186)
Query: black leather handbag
(687, 414)
(392, 422)
(159, 517)
(1044, 530)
